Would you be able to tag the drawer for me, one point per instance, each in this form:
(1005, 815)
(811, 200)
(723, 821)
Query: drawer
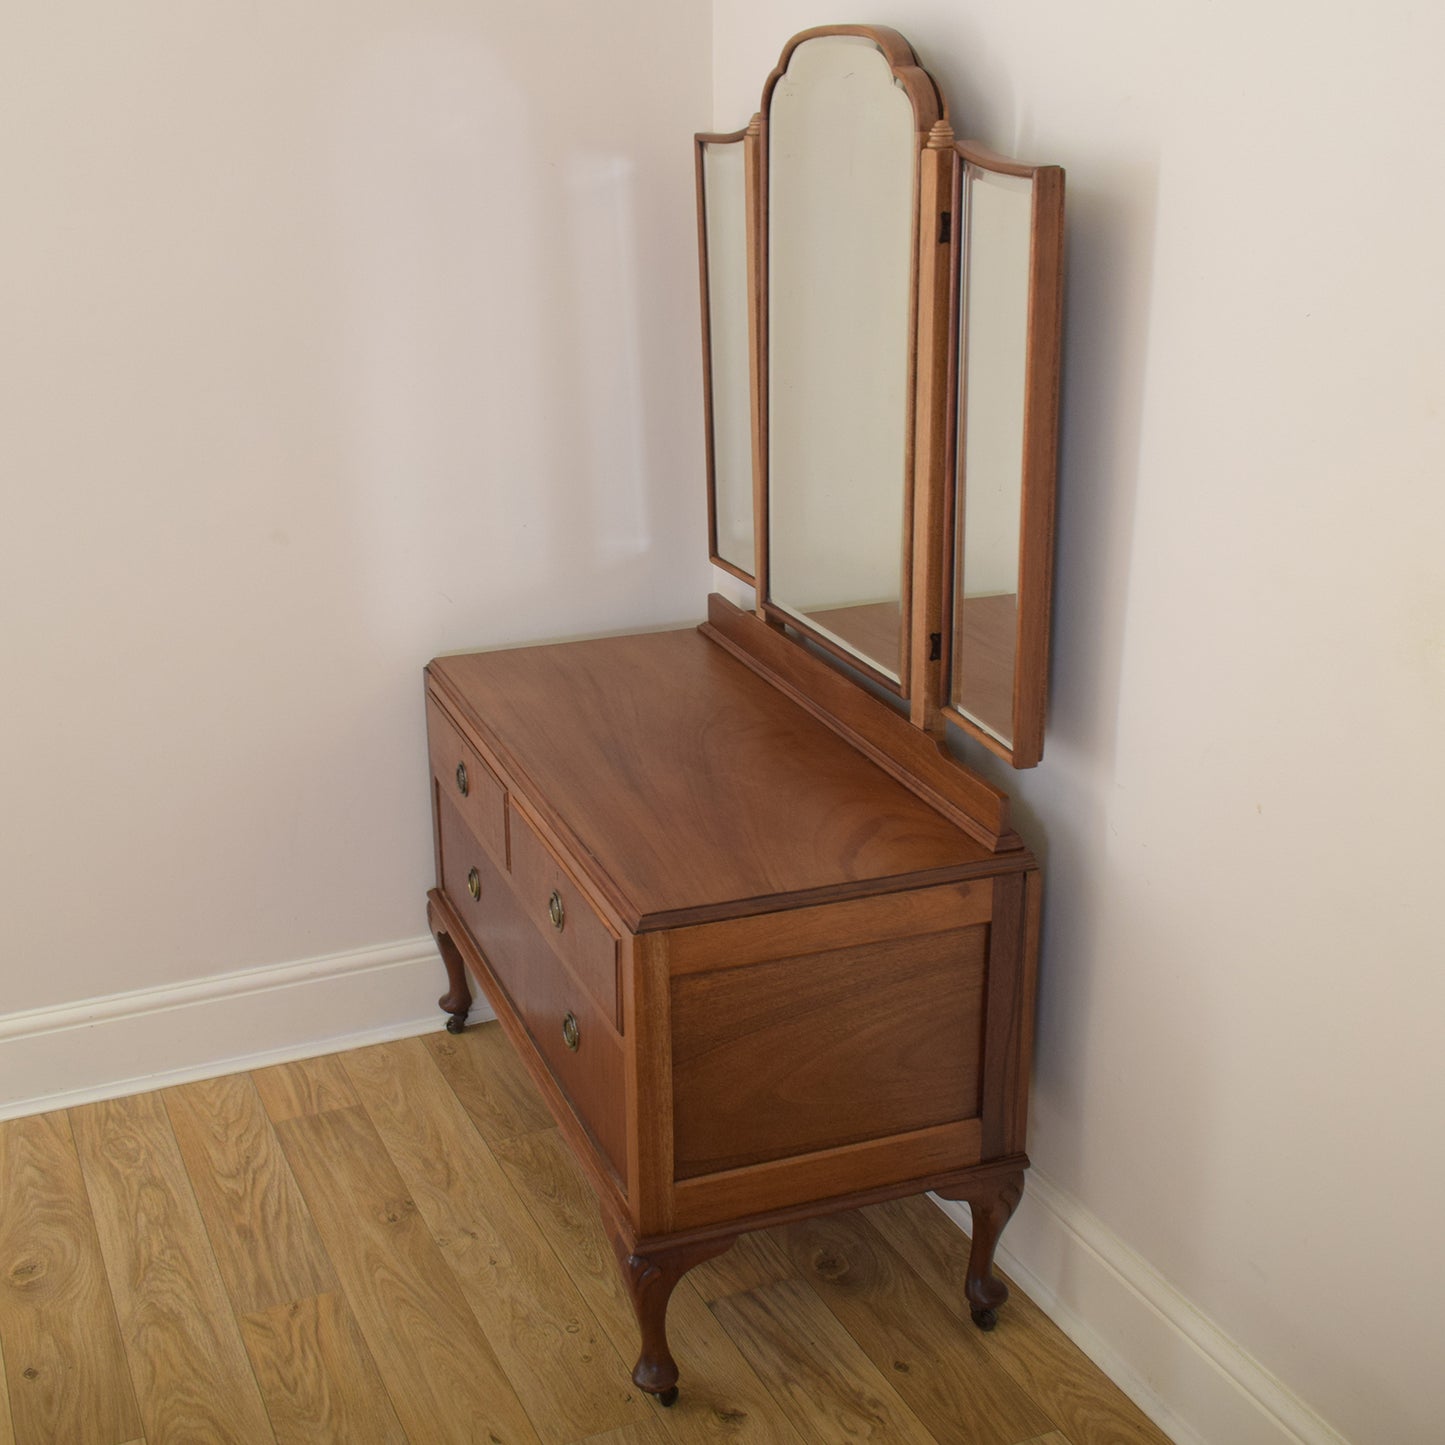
(467, 782)
(553, 900)
(585, 1056)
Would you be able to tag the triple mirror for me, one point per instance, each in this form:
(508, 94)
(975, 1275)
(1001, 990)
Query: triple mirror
(881, 337)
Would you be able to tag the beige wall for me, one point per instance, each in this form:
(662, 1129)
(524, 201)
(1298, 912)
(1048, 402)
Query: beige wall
(332, 335)
(1239, 1067)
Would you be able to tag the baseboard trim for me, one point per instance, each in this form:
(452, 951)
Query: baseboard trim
(1200, 1386)
(127, 1043)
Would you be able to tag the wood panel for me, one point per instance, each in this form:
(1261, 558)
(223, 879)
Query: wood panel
(823, 1381)
(265, 1243)
(644, 735)
(584, 941)
(319, 1381)
(1068, 1387)
(455, 764)
(190, 1371)
(760, 1189)
(544, 993)
(805, 1054)
(934, 1361)
(68, 1379)
(564, 1369)
(835, 925)
(722, 1398)
(443, 1379)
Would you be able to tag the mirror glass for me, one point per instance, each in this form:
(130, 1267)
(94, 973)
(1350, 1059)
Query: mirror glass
(725, 295)
(841, 155)
(993, 364)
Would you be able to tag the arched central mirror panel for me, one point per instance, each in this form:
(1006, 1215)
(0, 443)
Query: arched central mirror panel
(841, 146)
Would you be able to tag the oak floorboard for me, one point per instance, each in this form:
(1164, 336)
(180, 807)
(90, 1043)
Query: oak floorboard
(819, 1375)
(265, 1243)
(1087, 1406)
(190, 1371)
(754, 1262)
(444, 1381)
(317, 1376)
(485, 1074)
(934, 1361)
(571, 1380)
(307, 1086)
(57, 1323)
(7, 1431)
(720, 1398)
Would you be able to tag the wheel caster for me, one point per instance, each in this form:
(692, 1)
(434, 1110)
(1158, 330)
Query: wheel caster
(985, 1319)
(456, 1023)
(668, 1398)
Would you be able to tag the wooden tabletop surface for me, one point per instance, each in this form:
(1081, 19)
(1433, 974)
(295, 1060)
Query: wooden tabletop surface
(696, 789)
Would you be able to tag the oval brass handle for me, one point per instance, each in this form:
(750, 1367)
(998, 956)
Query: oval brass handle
(571, 1034)
(462, 779)
(474, 885)
(557, 915)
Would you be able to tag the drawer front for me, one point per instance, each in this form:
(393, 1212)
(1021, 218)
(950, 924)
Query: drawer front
(551, 898)
(467, 783)
(584, 1056)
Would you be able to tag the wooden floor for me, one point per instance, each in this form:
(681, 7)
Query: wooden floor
(393, 1244)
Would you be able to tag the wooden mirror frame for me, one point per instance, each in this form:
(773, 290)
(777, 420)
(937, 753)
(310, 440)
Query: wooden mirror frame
(933, 432)
(1040, 449)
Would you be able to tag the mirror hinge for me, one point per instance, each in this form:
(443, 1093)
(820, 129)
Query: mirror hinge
(945, 228)
(935, 646)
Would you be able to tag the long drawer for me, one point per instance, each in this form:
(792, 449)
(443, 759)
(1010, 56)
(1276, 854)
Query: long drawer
(570, 1031)
(465, 781)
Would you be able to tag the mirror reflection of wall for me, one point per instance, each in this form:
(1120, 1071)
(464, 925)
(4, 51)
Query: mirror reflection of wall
(993, 355)
(725, 240)
(841, 159)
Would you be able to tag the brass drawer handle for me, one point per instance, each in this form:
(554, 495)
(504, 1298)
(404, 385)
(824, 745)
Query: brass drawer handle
(462, 785)
(558, 916)
(474, 885)
(571, 1034)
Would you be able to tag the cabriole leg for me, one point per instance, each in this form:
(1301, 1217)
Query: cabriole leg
(992, 1203)
(650, 1279)
(457, 1000)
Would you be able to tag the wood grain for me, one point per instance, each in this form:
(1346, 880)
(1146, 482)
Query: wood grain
(814, 1369)
(190, 1371)
(803, 1054)
(441, 1374)
(57, 1323)
(265, 1243)
(317, 1377)
(484, 1073)
(722, 1398)
(1036, 1353)
(641, 736)
(308, 1086)
(556, 1356)
(935, 1362)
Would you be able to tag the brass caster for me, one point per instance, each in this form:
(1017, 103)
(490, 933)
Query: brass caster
(456, 1023)
(668, 1398)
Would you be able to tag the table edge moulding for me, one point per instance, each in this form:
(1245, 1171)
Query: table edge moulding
(766, 946)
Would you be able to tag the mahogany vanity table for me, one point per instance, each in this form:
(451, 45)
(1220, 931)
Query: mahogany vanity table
(767, 949)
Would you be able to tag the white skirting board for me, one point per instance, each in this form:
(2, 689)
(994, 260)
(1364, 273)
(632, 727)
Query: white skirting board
(1196, 1383)
(104, 1048)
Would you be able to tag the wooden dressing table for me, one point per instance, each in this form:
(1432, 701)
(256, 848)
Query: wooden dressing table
(766, 947)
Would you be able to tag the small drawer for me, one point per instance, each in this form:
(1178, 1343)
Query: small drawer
(556, 904)
(581, 1052)
(467, 782)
